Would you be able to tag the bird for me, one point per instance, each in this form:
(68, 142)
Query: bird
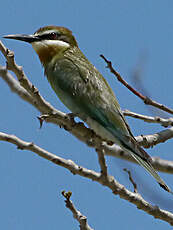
(84, 91)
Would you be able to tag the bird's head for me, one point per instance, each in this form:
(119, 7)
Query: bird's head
(48, 41)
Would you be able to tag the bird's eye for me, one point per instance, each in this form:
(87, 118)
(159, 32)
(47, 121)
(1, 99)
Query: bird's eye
(49, 36)
(53, 36)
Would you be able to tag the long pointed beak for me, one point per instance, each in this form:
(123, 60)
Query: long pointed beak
(23, 37)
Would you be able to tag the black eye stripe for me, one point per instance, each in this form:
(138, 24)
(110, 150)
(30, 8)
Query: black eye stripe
(49, 36)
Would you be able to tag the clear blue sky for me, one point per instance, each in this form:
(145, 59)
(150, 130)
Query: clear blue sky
(130, 33)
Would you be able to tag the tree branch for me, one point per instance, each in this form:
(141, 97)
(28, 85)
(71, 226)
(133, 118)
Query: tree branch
(146, 100)
(102, 161)
(148, 141)
(158, 163)
(108, 181)
(164, 122)
(131, 180)
(15, 86)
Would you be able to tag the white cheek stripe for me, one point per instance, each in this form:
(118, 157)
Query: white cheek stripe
(46, 43)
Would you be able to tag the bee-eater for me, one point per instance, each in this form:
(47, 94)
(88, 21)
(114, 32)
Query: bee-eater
(81, 88)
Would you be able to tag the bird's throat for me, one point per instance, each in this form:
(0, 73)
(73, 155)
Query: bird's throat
(48, 50)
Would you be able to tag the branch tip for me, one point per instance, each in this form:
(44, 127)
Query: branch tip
(67, 195)
(41, 120)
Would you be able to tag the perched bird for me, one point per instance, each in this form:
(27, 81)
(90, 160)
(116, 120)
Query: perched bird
(81, 88)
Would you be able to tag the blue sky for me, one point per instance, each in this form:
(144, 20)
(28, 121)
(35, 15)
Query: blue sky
(130, 33)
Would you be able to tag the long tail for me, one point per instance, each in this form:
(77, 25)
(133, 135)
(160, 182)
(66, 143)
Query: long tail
(152, 171)
(124, 138)
(141, 156)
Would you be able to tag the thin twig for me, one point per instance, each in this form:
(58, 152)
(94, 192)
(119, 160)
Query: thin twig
(76, 213)
(102, 161)
(145, 99)
(164, 122)
(15, 86)
(131, 179)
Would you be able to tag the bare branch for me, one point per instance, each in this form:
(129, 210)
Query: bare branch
(24, 82)
(76, 214)
(15, 86)
(102, 161)
(3, 49)
(158, 163)
(148, 141)
(145, 99)
(131, 180)
(109, 181)
(164, 122)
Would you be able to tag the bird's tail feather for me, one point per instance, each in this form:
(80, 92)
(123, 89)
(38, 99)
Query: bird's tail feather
(129, 143)
(152, 171)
